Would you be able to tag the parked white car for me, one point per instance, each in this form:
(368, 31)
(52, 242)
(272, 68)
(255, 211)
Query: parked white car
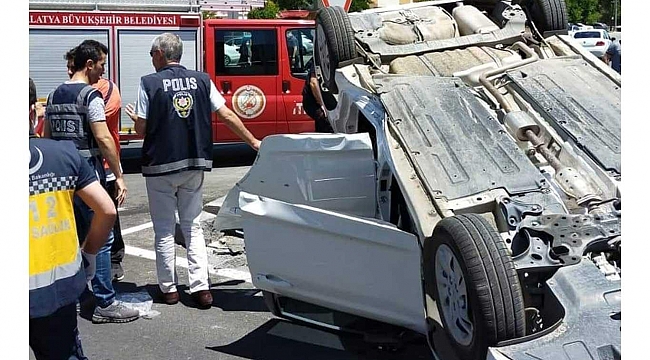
(307, 45)
(231, 54)
(595, 40)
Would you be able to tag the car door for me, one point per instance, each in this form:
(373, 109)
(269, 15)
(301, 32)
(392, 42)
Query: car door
(311, 235)
(246, 72)
(294, 74)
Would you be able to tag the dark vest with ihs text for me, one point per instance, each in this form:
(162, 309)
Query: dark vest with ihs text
(179, 122)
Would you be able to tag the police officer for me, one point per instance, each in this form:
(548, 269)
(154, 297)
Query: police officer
(113, 106)
(75, 111)
(173, 113)
(56, 275)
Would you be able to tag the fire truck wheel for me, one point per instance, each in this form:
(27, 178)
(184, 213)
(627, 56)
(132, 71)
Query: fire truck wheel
(334, 43)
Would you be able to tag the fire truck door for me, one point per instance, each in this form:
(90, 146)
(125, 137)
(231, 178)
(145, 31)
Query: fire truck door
(247, 75)
(298, 54)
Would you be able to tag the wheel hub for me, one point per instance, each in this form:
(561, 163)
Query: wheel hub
(452, 295)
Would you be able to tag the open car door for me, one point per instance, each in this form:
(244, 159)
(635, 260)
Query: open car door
(320, 243)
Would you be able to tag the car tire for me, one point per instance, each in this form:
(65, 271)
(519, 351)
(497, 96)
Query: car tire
(334, 42)
(473, 279)
(226, 60)
(548, 15)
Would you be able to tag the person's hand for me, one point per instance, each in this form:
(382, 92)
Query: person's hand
(40, 110)
(89, 263)
(322, 107)
(120, 190)
(130, 111)
(256, 145)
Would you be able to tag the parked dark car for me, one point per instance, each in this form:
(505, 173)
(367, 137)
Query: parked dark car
(600, 25)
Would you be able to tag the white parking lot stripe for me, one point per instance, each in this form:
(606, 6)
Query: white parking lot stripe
(137, 228)
(232, 274)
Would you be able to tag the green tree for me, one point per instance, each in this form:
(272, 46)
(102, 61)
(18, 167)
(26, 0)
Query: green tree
(295, 4)
(269, 11)
(607, 11)
(584, 11)
(209, 14)
(358, 5)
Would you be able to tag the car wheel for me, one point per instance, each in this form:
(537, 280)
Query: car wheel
(470, 274)
(548, 15)
(334, 42)
(226, 60)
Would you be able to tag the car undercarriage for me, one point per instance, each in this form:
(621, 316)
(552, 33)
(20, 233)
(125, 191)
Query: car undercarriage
(490, 141)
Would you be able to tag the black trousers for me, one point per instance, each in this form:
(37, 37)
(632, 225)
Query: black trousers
(56, 336)
(117, 250)
(320, 120)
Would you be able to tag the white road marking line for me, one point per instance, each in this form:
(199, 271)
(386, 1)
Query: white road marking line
(182, 262)
(137, 228)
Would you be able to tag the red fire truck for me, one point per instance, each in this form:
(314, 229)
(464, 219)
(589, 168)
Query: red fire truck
(248, 60)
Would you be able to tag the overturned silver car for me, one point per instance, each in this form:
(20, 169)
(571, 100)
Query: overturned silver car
(472, 184)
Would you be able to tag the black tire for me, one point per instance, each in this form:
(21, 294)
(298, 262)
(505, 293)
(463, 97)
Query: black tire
(548, 15)
(226, 60)
(493, 300)
(336, 43)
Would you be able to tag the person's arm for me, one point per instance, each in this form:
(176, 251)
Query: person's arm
(139, 113)
(230, 119)
(315, 89)
(235, 124)
(106, 144)
(93, 194)
(605, 58)
(97, 199)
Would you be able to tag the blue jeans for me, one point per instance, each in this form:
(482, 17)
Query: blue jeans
(56, 336)
(102, 285)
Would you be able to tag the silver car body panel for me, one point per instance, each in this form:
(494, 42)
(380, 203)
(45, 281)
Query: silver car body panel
(312, 255)
(455, 144)
(329, 171)
(564, 92)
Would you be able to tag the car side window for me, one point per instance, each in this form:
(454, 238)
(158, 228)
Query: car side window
(300, 48)
(252, 52)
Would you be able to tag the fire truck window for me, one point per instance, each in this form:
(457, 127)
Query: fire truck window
(251, 52)
(300, 48)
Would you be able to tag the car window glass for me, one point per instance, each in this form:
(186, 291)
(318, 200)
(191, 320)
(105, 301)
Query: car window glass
(300, 48)
(587, 34)
(252, 52)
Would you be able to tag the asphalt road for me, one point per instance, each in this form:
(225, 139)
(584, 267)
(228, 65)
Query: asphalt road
(238, 326)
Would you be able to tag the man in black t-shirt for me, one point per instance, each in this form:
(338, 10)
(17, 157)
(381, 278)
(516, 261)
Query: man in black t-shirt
(312, 102)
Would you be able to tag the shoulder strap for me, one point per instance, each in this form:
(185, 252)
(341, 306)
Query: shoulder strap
(82, 98)
(110, 91)
(83, 103)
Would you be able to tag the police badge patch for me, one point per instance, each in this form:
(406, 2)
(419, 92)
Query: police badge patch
(183, 102)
